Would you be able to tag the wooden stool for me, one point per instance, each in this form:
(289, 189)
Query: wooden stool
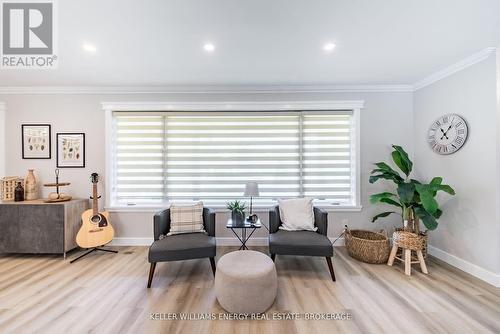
(408, 242)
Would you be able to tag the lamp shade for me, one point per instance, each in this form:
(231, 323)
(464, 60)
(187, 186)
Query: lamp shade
(251, 189)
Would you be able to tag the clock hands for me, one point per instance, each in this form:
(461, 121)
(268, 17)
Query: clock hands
(445, 132)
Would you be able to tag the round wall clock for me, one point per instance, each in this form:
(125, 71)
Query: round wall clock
(447, 134)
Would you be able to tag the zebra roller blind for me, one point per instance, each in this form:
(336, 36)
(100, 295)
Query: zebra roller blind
(210, 156)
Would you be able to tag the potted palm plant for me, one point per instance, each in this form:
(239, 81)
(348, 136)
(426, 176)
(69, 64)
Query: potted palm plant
(414, 200)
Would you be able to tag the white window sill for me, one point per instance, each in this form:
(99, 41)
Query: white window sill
(221, 209)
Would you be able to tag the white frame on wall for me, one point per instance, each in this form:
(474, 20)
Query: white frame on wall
(355, 106)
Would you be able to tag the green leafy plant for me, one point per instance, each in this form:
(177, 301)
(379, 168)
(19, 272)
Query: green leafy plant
(237, 207)
(415, 200)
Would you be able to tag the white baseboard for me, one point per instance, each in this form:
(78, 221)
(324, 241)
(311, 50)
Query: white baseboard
(470, 268)
(131, 242)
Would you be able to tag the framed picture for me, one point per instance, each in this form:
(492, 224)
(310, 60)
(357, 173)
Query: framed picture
(70, 150)
(36, 141)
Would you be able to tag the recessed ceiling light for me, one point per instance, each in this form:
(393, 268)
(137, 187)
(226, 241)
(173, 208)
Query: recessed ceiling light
(209, 47)
(90, 48)
(328, 47)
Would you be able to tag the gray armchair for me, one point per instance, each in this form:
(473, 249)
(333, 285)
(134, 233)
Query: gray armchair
(307, 243)
(181, 246)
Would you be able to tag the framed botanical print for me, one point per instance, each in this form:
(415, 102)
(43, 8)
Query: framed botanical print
(70, 150)
(36, 141)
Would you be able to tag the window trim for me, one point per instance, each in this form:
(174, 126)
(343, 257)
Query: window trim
(109, 107)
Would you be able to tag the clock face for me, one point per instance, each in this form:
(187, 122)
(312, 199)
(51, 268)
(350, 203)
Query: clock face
(447, 134)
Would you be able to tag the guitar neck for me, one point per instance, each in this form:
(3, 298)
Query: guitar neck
(95, 203)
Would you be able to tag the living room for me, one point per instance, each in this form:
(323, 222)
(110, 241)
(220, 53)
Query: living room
(230, 166)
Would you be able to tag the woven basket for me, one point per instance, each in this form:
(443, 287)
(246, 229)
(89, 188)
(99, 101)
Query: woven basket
(410, 240)
(8, 186)
(367, 246)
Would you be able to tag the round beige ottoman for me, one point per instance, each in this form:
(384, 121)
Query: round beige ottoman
(246, 282)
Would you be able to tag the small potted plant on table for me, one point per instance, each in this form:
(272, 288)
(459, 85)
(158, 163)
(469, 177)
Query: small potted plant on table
(237, 209)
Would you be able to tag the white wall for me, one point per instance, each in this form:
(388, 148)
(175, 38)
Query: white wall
(2, 139)
(468, 231)
(498, 159)
(386, 119)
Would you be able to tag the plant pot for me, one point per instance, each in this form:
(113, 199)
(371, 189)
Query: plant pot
(237, 217)
(411, 239)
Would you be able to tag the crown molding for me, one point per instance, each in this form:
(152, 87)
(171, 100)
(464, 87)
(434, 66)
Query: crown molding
(232, 105)
(209, 89)
(454, 68)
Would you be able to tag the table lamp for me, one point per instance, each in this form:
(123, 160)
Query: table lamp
(251, 190)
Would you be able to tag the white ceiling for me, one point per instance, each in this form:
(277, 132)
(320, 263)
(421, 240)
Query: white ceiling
(262, 42)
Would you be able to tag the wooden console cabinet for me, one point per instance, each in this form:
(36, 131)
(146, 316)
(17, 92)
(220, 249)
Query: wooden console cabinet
(40, 228)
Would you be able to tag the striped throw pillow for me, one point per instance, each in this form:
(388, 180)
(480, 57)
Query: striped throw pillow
(186, 218)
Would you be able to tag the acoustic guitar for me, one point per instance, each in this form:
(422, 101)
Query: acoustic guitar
(96, 229)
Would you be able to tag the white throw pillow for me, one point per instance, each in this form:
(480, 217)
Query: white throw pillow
(297, 214)
(186, 218)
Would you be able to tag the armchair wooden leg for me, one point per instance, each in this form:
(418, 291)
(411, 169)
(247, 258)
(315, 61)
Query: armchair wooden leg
(212, 262)
(151, 273)
(273, 257)
(330, 266)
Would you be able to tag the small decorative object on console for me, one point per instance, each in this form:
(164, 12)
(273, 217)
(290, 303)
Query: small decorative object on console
(9, 184)
(57, 196)
(19, 193)
(30, 186)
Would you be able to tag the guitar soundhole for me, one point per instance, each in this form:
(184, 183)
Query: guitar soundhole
(96, 219)
(100, 220)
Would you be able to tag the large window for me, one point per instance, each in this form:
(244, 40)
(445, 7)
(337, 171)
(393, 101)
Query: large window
(159, 157)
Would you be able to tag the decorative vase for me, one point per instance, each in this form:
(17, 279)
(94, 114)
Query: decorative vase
(30, 186)
(19, 193)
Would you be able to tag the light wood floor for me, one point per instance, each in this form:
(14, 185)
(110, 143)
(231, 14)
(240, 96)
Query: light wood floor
(106, 293)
